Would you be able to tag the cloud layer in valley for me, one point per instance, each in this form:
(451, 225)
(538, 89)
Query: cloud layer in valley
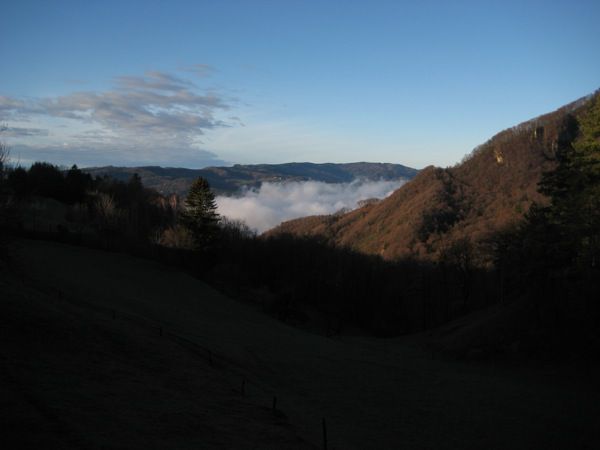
(273, 203)
(154, 118)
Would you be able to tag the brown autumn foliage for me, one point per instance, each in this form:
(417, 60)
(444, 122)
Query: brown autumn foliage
(491, 189)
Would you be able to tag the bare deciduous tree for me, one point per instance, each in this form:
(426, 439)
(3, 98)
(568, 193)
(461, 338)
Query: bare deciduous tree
(4, 156)
(7, 216)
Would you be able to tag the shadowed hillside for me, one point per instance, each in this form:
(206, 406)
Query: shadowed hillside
(86, 366)
(76, 374)
(489, 190)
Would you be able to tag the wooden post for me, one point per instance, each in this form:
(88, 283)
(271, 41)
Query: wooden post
(324, 435)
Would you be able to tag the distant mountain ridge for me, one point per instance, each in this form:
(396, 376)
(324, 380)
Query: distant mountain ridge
(492, 188)
(229, 180)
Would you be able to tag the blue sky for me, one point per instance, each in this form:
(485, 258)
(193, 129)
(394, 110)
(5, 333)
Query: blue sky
(201, 83)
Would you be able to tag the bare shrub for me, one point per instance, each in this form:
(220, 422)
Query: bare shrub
(177, 237)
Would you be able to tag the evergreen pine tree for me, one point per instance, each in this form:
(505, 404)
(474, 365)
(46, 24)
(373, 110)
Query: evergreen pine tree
(200, 213)
(574, 188)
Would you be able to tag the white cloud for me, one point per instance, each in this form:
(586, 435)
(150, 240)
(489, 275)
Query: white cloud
(155, 117)
(273, 203)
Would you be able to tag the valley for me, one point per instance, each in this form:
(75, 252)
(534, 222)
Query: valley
(300, 225)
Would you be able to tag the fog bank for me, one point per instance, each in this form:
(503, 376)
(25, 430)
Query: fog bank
(273, 203)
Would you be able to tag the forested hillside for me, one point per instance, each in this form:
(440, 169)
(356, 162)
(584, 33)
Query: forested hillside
(460, 206)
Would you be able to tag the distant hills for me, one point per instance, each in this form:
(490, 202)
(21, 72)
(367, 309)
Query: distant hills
(489, 190)
(229, 180)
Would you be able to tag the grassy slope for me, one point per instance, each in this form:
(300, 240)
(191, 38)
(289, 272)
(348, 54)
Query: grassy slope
(74, 377)
(144, 389)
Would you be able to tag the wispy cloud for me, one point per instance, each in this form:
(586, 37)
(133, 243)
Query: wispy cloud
(21, 131)
(139, 114)
(200, 70)
(103, 155)
(273, 203)
(154, 81)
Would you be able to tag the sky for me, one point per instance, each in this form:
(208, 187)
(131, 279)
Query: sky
(198, 83)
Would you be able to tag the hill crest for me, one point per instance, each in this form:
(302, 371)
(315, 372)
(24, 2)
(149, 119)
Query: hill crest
(230, 180)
